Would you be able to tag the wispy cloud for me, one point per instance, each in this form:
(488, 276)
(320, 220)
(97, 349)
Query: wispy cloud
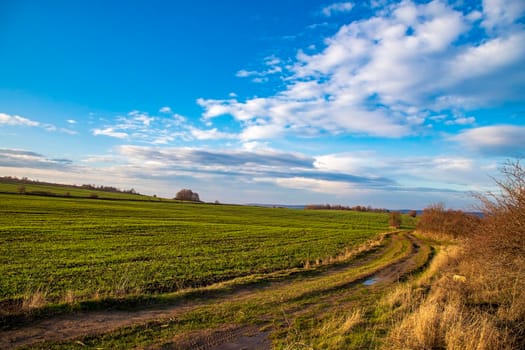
(272, 65)
(27, 159)
(110, 132)
(166, 110)
(461, 121)
(16, 120)
(137, 126)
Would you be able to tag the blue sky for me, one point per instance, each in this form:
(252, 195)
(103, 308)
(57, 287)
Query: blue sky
(389, 104)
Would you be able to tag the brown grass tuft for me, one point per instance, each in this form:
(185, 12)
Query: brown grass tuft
(69, 297)
(351, 320)
(34, 300)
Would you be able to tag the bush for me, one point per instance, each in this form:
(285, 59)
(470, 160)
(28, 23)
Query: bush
(455, 223)
(187, 195)
(395, 219)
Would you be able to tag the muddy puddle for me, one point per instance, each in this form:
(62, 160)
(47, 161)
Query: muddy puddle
(371, 281)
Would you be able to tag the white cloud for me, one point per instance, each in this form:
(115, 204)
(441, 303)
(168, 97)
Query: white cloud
(272, 66)
(244, 73)
(501, 13)
(23, 158)
(498, 140)
(339, 7)
(210, 134)
(179, 119)
(386, 75)
(166, 110)
(488, 57)
(259, 132)
(447, 172)
(110, 132)
(313, 185)
(71, 121)
(16, 120)
(461, 121)
(68, 131)
(137, 117)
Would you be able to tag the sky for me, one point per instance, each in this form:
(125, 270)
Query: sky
(383, 103)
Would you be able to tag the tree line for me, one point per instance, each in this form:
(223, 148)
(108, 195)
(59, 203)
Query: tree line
(360, 208)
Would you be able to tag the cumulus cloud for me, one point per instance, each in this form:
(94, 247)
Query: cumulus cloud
(389, 74)
(498, 14)
(495, 140)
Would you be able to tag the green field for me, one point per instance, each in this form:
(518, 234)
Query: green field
(90, 248)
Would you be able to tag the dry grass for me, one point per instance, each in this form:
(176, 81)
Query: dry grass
(34, 300)
(69, 297)
(351, 320)
(476, 298)
(444, 320)
(347, 254)
(333, 332)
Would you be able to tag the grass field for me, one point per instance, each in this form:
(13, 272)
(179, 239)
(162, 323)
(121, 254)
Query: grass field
(71, 248)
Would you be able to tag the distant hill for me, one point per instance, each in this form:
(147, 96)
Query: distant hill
(299, 206)
(24, 186)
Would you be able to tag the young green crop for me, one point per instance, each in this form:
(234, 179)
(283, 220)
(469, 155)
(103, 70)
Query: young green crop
(87, 248)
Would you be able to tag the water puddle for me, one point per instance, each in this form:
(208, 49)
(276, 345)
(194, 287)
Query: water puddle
(371, 281)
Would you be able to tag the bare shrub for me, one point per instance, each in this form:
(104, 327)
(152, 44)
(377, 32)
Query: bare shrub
(449, 223)
(498, 250)
(395, 219)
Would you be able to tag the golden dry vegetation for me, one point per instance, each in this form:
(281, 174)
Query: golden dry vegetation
(472, 295)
